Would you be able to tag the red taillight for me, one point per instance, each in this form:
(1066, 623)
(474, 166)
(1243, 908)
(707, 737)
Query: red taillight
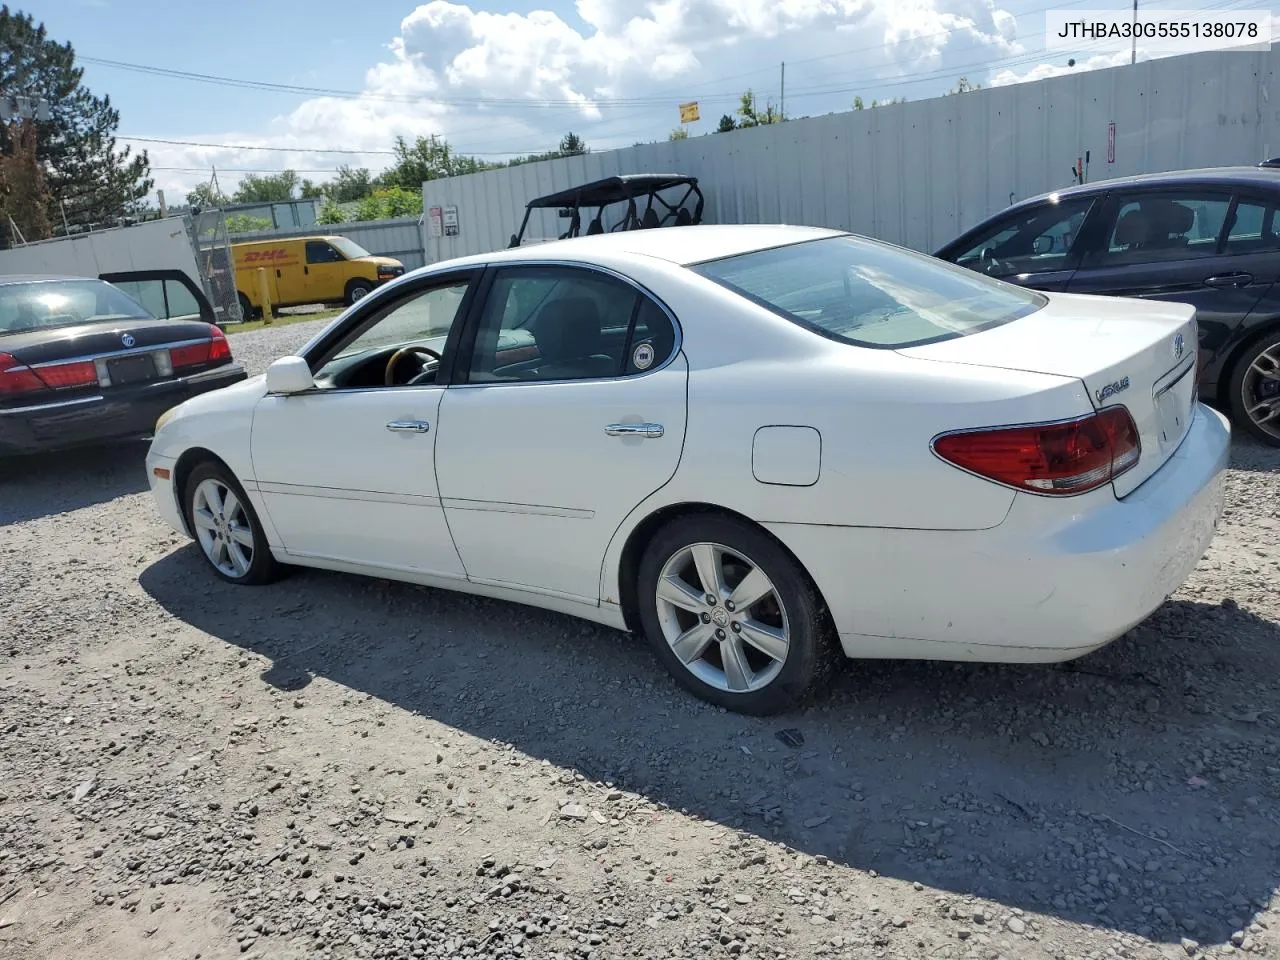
(209, 351)
(17, 378)
(1052, 458)
(219, 348)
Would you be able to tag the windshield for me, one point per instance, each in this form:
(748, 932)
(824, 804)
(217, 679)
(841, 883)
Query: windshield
(349, 248)
(871, 294)
(60, 303)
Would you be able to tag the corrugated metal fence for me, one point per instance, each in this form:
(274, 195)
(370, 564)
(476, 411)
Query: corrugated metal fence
(401, 238)
(917, 173)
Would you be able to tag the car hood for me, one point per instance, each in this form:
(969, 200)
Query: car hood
(384, 261)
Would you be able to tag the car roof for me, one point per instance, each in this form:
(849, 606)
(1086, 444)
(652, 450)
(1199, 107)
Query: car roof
(679, 245)
(1267, 177)
(41, 277)
(612, 190)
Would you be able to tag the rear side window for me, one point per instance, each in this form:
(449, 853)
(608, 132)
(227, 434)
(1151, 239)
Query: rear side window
(871, 294)
(1158, 227)
(1254, 228)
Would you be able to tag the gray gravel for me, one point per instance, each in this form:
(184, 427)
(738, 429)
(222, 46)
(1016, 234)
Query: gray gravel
(339, 767)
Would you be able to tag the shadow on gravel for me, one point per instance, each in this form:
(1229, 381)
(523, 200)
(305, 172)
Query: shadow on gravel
(46, 484)
(1134, 790)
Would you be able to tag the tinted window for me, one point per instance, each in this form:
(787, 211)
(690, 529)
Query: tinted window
(871, 294)
(163, 298)
(559, 323)
(1254, 228)
(60, 303)
(1030, 241)
(320, 252)
(1156, 227)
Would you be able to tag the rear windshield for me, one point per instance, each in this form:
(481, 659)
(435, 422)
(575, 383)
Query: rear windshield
(60, 303)
(871, 294)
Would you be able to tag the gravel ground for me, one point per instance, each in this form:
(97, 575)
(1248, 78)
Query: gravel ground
(341, 767)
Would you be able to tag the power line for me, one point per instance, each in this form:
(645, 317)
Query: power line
(247, 146)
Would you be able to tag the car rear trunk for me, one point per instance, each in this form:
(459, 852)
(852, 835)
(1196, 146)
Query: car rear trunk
(1138, 354)
(65, 362)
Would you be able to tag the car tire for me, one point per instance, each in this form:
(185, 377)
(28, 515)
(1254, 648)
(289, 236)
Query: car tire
(740, 668)
(246, 308)
(231, 539)
(1244, 383)
(358, 290)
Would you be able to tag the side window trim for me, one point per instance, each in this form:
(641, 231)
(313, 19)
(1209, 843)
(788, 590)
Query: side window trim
(321, 350)
(464, 354)
(1071, 257)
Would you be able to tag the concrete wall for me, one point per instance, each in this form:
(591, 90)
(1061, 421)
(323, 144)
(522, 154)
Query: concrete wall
(918, 173)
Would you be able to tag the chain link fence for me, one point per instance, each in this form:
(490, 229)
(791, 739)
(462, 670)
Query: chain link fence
(217, 268)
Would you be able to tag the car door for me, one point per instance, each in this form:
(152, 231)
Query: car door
(324, 272)
(347, 470)
(572, 411)
(1169, 244)
(1034, 246)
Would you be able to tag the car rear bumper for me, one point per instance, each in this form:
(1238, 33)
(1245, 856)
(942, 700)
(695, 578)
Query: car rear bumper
(1055, 580)
(124, 412)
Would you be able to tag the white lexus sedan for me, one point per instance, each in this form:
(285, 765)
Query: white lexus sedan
(761, 447)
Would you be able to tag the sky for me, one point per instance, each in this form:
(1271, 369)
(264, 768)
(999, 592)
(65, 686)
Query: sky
(498, 78)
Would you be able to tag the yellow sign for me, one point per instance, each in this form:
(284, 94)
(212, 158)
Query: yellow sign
(689, 112)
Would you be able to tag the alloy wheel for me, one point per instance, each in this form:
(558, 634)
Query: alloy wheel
(222, 528)
(722, 617)
(1260, 391)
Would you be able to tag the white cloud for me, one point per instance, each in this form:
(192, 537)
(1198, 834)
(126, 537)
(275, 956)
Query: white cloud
(493, 81)
(1042, 71)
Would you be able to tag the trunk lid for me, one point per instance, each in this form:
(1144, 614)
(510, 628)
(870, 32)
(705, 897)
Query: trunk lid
(51, 344)
(1139, 354)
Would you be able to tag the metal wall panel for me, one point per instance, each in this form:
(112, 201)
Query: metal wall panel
(917, 173)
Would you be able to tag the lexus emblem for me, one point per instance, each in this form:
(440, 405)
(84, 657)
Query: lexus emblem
(128, 341)
(1178, 347)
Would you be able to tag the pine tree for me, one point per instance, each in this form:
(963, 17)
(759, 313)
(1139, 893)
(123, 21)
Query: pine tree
(95, 181)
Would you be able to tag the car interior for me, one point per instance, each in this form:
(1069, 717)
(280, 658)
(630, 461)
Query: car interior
(549, 329)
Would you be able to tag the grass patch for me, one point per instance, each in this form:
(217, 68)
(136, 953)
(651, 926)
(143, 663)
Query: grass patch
(282, 320)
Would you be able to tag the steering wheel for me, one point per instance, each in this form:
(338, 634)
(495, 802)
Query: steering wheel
(988, 261)
(404, 352)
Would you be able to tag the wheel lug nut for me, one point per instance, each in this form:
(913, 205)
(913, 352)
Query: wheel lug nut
(737, 627)
(719, 634)
(728, 604)
(706, 618)
(711, 600)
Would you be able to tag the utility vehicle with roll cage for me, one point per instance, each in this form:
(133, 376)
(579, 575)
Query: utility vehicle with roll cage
(667, 199)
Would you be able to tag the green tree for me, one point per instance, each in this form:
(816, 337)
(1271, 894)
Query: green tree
(76, 147)
(750, 115)
(679, 133)
(24, 195)
(266, 188)
(205, 196)
(964, 86)
(350, 184)
(330, 212)
(310, 190)
(427, 158)
(571, 145)
(858, 104)
(386, 203)
(727, 123)
(243, 223)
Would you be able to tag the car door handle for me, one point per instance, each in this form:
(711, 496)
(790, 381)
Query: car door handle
(408, 426)
(1229, 280)
(651, 430)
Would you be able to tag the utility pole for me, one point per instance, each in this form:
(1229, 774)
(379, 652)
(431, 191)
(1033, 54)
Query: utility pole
(1133, 57)
(782, 107)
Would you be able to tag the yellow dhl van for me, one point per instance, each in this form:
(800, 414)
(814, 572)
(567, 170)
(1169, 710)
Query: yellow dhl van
(302, 270)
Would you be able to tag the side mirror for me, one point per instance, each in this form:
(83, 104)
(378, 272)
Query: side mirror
(1042, 245)
(289, 375)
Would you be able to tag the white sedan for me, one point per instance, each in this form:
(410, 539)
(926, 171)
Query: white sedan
(758, 446)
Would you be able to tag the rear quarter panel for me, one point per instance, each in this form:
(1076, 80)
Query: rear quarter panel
(876, 412)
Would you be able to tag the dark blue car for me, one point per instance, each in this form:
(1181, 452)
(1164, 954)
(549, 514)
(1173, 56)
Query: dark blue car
(1210, 238)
